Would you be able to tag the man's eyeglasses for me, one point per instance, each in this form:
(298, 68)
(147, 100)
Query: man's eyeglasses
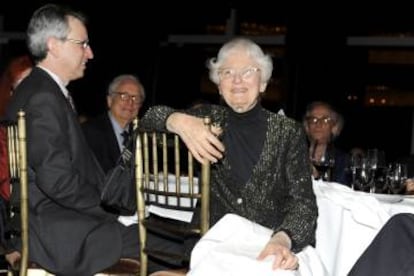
(125, 97)
(244, 74)
(83, 43)
(315, 120)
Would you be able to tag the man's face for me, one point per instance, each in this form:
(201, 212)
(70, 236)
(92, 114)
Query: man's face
(125, 102)
(75, 51)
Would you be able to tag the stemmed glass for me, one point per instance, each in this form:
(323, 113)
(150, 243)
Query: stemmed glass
(377, 170)
(361, 174)
(324, 164)
(396, 177)
(355, 166)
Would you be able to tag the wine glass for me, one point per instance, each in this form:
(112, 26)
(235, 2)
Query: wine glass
(355, 168)
(396, 177)
(324, 164)
(362, 174)
(377, 170)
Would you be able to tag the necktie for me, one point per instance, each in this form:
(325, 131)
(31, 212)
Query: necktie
(72, 103)
(125, 136)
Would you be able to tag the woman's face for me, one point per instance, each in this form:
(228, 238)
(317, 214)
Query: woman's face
(240, 81)
(320, 125)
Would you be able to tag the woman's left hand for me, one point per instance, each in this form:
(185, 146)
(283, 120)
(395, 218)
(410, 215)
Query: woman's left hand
(279, 246)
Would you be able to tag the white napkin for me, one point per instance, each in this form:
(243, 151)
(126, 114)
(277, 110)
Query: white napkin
(232, 245)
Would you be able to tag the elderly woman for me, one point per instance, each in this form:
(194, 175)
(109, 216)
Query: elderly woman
(323, 124)
(261, 168)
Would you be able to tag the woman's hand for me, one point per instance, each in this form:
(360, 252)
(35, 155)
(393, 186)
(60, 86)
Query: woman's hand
(279, 245)
(200, 139)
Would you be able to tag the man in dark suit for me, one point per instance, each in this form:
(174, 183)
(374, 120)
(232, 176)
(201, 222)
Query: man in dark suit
(104, 133)
(70, 234)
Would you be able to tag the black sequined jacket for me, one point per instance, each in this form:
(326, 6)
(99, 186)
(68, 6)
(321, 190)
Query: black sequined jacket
(279, 193)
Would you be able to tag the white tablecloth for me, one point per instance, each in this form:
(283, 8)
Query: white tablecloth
(347, 223)
(349, 220)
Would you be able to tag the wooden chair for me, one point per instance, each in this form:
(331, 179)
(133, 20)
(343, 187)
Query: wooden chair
(15, 133)
(168, 177)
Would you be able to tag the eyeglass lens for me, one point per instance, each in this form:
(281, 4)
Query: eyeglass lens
(245, 74)
(316, 120)
(125, 97)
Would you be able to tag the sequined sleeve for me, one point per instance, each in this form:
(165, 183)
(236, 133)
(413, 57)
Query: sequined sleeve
(156, 117)
(300, 207)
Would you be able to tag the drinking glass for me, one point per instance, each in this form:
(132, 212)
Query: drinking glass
(377, 170)
(355, 168)
(325, 164)
(396, 177)
(362, 174)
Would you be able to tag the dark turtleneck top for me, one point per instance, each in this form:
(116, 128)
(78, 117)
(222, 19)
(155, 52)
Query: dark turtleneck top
(244, 137)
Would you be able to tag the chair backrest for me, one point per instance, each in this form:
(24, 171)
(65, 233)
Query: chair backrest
(17, 169)
(169, 182)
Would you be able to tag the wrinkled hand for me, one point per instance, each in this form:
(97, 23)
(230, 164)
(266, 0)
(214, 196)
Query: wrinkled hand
(200, 139)
(284, 258)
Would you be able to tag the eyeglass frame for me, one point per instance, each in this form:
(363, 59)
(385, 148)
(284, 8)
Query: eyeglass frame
(245, 73)
(325, 120)
(125, 97)
(84, 43)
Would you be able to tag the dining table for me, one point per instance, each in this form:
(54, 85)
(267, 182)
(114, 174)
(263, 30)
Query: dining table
(348, 221)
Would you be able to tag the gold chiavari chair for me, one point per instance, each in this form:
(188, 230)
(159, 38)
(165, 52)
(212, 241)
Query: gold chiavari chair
(168, 177)
(18, 178)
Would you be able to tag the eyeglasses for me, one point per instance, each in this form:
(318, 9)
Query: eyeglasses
(315, 120)
(125, 97)
(244, 74)
(83, 43)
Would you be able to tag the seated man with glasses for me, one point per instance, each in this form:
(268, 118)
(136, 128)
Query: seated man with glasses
(107, 133)
(323, 124)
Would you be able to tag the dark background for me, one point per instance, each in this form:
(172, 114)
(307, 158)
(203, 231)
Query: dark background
(315, 63)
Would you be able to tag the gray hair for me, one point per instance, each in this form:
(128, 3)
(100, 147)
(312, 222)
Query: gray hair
(126, 77)
(48, 21)
(333, 113)
(263, 60)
